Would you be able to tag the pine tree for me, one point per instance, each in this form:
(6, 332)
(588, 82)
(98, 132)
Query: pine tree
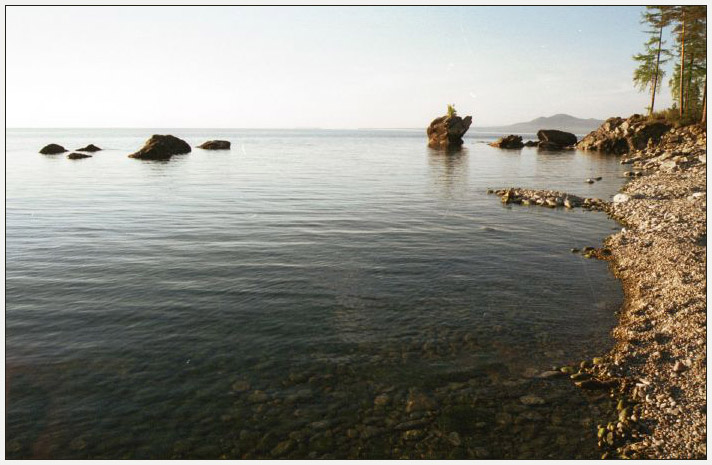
(690, 74)
(657, 17)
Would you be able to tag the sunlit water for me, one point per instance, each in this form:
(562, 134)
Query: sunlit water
(287, 298)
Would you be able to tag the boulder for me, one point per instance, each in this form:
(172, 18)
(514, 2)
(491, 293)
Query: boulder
(160, 147)
(77, 156)
(52, 149)
(554, 138)
(509, 142)
(531, 143)
(89, 148)
(215, 145)
(617, 135)
(447, 131)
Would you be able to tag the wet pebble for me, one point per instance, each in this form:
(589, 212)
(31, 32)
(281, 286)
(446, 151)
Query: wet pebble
(531, 399)
(241, 386)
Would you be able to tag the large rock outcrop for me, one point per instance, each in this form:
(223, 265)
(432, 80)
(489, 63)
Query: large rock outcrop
(160, 147)
(52, 149)
(509, 142)
(618, 135)
(446, 132)
(215, 145)
(553, 139)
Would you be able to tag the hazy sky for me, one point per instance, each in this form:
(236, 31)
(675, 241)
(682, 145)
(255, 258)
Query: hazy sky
(329, 67)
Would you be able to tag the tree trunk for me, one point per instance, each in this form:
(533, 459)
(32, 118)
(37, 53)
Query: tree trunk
(657, 70)
(704, 105)
(689, 84)
(682, 64)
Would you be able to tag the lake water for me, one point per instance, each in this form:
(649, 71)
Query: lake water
(307, 294)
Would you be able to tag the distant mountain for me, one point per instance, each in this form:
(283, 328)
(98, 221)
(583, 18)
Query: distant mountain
(561, 122)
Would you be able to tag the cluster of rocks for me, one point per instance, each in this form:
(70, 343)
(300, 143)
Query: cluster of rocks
(158, 147)
(619, 136)
(657, 369)
(549, 139)
(548, 198)
(446, 132)
(54, 149)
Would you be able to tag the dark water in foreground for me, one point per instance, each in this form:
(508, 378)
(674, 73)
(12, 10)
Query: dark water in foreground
(306, 294)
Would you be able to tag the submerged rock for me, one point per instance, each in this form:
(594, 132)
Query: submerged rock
(215, 145)
(417, 400)
(52, 149)
(89, 148)
(531, 399)
(160, 147)
(509, 142)
(446, 131)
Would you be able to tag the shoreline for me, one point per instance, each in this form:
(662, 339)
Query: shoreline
(656, 369)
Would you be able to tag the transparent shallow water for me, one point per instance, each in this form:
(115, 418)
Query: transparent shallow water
(290, 296)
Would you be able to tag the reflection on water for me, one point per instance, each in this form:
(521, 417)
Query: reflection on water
(346, 294)
(449, 171)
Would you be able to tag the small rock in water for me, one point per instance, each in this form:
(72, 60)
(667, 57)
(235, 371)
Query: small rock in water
(52, 149)
(418, 401)
(590, 181)
(550, 374)
(454, 438)
(381, 400)
(89, 148)
(240, 386)
(599, 178)
(413, 434)
(215, 145)
(531, 399)
(77, 156)
(258, 397)
(283, 448)
(575, 250)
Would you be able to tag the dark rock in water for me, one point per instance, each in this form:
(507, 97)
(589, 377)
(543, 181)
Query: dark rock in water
(215, 145)
(619, 136)
(509, 142)
(554, 137)
(546, 145)
(447, 131)
(52, 149)
(160, 147)
(531, 143)
(89, 148)
(77, 156)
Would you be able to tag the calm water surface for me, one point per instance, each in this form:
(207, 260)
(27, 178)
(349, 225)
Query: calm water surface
(343, 294)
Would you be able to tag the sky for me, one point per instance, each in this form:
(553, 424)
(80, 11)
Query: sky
(318, 67)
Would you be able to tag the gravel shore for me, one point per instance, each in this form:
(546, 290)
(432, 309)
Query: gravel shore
(660, 257)
(657, 368)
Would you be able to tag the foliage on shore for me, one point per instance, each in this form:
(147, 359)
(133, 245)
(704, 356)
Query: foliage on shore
(688, 82)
